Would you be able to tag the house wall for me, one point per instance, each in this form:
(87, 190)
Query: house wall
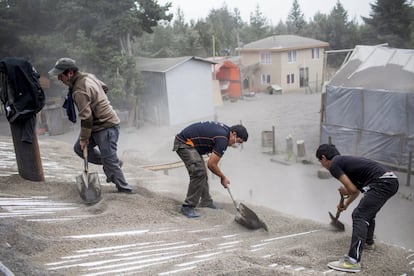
(190, 92)
(280, 68)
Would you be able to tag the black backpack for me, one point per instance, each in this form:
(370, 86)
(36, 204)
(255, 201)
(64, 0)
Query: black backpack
(20, 90)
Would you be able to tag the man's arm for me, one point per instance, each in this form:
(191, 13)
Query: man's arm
(82, 102)
(212, 165)
(349, 190)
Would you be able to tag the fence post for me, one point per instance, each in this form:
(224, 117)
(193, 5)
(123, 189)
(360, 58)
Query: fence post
(410, 157)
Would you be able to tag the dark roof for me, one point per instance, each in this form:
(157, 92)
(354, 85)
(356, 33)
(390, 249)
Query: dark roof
(283, 43)
(164, 64)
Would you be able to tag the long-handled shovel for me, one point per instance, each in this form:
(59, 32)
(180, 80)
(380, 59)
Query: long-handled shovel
(88, 184)
(246, 216)
(335, 219)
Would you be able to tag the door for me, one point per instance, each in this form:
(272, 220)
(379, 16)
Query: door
(304, 76)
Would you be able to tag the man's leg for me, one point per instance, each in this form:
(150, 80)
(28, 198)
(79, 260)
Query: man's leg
(197, 172)
(364, 214)
(107, 140)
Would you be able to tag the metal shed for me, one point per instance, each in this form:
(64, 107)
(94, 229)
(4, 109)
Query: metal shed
(177, 90)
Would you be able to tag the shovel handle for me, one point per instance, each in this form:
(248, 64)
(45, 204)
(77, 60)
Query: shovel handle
(85, 158)
(341, 204)
(234, 202)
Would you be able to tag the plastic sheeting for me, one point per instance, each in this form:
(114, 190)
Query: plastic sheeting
(364, 117)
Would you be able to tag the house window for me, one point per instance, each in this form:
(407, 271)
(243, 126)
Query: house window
(290, 78)
(265, 58)
(315, 53)
(292, 56)
(265, 79)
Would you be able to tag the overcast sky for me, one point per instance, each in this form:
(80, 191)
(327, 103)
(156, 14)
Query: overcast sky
(273, 10)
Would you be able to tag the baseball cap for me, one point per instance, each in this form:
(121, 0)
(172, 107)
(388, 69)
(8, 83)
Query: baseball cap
(62, 65)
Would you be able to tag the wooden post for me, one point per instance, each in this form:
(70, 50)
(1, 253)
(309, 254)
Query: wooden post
(28, 159)
(241, 146)
(289, 146)
(301, 148)
(273, 140)
(410, 157)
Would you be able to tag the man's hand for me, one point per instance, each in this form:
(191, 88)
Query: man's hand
(225, 181)
(342, 191)
(83, 143)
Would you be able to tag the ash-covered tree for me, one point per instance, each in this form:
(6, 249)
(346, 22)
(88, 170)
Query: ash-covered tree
(296, 20)
(390, 21)
(258, 27)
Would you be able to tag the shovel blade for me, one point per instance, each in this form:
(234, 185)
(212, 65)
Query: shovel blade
(89, 187)
(246, 217)
(336, 223)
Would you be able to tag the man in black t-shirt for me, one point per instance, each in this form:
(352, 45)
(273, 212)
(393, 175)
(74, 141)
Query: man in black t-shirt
(196, 140)
(358, 174)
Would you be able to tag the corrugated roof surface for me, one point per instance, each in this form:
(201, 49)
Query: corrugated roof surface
(164, 64)
(280, 42)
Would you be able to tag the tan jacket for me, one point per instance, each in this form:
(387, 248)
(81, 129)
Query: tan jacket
(95, 110)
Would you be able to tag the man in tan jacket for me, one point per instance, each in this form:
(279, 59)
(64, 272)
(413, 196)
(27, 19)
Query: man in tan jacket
(99, 122)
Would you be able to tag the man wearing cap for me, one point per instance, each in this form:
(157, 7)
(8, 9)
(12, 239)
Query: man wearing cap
(196, 140)
(99, 123)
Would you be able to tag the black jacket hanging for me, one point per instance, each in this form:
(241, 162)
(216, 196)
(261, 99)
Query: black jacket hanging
(20, 90)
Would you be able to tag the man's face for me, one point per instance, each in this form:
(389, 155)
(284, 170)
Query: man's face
(65, 77)
(234, 140)
(325, 162)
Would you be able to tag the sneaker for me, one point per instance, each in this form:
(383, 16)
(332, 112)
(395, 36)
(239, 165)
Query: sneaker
(345, 264)
(125, 189)
(189, 212)
(369, 247)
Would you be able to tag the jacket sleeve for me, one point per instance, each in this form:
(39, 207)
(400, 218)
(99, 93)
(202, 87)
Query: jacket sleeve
(82, 101)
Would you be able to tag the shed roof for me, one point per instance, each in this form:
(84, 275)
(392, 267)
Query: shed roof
(283, 43)
(377, 67)
(163, 65)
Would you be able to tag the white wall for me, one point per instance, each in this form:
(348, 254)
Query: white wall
(190, 92)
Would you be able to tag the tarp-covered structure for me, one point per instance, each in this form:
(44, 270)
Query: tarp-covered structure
(368, 107)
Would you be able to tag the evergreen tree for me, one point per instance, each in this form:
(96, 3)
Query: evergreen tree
(296, 20)
(390, 22)
(258, 27)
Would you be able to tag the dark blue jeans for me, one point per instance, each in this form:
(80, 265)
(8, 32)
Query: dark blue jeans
(102, 150)
(363, 216)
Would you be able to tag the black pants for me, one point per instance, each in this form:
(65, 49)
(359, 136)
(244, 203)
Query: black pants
(363, 216)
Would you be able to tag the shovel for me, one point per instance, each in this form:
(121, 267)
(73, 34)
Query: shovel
(335, 219)
(246, 216)
(88, 184)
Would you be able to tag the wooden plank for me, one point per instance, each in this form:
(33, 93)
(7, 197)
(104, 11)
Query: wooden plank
(167, 166)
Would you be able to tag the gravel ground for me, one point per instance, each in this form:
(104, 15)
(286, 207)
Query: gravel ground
(45, 229)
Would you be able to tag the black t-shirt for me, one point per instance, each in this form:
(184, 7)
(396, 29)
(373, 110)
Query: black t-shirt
(361, 171)
(206, 137)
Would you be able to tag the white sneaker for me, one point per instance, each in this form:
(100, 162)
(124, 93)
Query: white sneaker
(345, 264)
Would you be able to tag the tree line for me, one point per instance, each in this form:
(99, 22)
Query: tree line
(105, 35)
